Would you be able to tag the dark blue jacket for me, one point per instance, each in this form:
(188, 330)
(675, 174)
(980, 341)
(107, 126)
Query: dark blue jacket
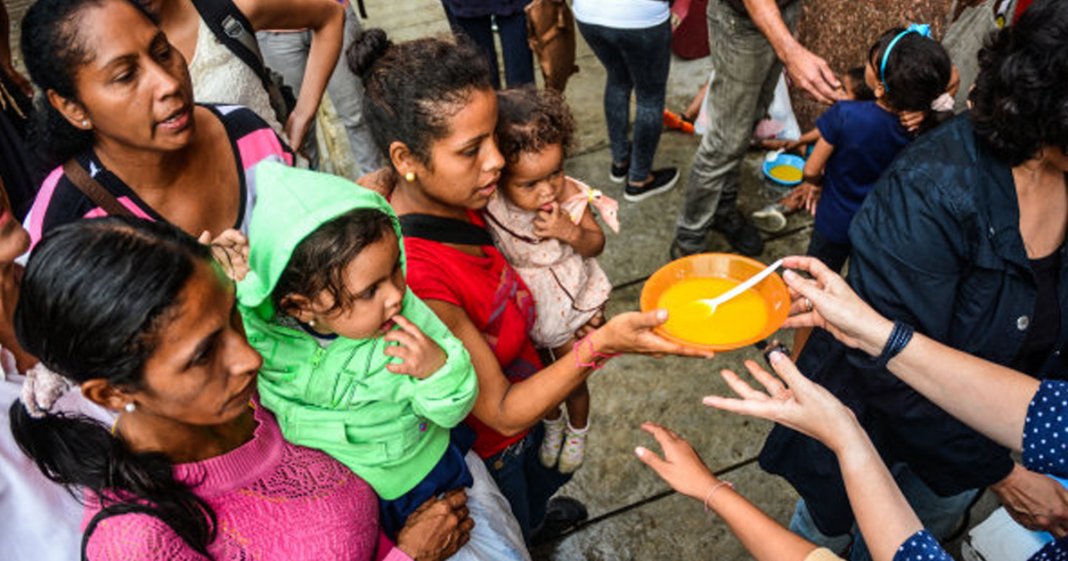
(937, 245)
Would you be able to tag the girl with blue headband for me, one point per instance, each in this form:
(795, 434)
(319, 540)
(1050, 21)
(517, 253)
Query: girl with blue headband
(908, 72)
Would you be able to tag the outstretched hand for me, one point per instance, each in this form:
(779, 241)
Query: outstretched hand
(793, 401)
(632, 332)
(827, 301)
(681, 467)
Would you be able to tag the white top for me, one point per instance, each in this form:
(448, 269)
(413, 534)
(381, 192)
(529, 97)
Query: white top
(220, 77)
(42, 522)
(622, 14)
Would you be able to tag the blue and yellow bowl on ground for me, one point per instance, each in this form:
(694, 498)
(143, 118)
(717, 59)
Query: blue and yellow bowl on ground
(785, 169)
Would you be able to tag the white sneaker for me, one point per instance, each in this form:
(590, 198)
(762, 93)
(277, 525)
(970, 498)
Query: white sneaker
(554, 439)
(574, 451)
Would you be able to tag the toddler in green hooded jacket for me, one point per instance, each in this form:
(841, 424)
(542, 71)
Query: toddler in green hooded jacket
(354, 363)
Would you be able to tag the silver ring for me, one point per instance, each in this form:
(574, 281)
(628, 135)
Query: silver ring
(808, 305)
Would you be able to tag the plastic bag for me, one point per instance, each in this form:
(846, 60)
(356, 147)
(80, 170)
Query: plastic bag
(1000, 538)
(780, 110)
(496, 535)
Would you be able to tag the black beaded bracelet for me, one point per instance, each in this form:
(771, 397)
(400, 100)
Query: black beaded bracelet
(899, 338)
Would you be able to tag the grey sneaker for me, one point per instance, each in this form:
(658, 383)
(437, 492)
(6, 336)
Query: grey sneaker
(770, 218)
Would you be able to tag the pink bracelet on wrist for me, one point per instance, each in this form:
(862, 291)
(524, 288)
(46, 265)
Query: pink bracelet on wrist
(712, 492)
(598, 358)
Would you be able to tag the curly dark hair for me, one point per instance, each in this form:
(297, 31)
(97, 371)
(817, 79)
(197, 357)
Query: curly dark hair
(529, 119)
(319, 261)
(1020, 99)
(413, 88)
(54, 47)
(918, 70)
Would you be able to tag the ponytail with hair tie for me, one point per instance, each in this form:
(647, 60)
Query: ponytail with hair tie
(41, 389)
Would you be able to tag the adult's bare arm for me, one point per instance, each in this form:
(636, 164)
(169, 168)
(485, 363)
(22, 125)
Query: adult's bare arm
(326, 20)
(806, 70)
(510, 408)
(681, 468)
(998, 397)
(885, 518)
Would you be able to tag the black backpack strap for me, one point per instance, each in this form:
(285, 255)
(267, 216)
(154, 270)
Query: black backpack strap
(444, 230)
(233, 29)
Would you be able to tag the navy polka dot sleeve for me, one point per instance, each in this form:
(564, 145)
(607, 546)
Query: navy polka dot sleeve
(921, 546)
(1045, 438)
(1053, 551)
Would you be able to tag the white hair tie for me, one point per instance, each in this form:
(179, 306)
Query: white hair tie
(944, 102)
(42, 389)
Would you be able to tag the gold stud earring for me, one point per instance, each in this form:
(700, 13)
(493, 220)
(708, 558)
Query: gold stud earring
(410, 176)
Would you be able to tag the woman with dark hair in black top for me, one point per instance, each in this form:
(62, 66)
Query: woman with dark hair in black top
(963, 239)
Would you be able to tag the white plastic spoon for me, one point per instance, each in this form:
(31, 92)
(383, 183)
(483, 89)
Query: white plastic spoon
(714, 303)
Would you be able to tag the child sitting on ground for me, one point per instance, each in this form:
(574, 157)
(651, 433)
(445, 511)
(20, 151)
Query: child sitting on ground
(354, 364)
(541, 222)
(909, 72)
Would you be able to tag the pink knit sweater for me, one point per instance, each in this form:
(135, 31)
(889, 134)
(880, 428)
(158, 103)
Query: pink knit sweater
(273, 500)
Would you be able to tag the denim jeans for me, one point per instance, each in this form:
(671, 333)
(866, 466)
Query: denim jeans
(939, 515)
(286, 52)
(522, 479)
(635, 60)
(745, 71)
(518, 60)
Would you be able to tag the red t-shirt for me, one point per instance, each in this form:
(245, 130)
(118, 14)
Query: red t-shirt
(496, 301)
(1021, 7)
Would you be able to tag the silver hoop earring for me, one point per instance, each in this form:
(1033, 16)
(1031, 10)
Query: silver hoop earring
(130, 407)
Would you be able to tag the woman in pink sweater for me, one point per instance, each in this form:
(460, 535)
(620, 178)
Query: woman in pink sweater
(141, 318)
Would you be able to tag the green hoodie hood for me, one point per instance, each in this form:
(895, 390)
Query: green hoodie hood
(390, 429)
(290, 204)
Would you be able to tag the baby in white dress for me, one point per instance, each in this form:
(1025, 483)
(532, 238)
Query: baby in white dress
(542, 223)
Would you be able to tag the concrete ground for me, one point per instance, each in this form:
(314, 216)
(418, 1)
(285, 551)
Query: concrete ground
(633, 514)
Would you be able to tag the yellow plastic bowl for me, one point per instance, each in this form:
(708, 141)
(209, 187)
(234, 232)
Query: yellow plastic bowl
(719, 265)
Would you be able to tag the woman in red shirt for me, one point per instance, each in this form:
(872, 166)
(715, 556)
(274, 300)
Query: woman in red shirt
(438, 134)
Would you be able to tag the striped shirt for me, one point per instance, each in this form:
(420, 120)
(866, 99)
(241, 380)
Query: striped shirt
(251, 140)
